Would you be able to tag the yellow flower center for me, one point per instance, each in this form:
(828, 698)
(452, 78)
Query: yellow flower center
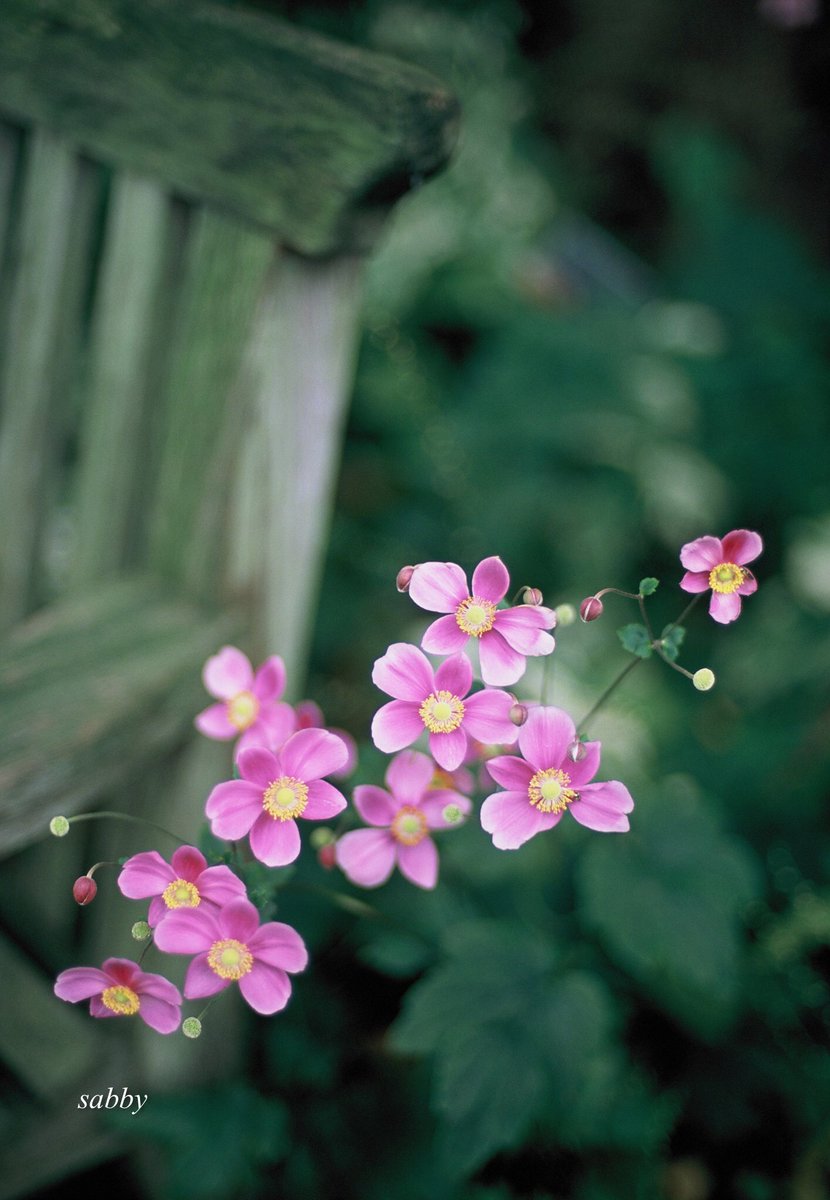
(230, 959)
(121, 1000)
(475, 616)
(243, 710)
(726, 577)
(409, 826)
(285, 798)
(549, 792)
(181, 894)
(441, 712)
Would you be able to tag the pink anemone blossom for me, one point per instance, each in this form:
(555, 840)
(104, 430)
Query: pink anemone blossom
(185, 882)
(310, 716)
(438, 703)
(720, 564)
(506, 636)
(402, 818)
(232, 947)
(119, 988)
(545, 783)
(275, 789)
(250, 702)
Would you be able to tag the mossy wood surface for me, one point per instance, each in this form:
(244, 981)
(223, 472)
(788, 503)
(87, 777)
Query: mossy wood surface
(285, 128)
(90, 693)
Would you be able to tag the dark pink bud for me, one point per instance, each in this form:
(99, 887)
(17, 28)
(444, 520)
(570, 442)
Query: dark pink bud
(576, 750)
(84, 889)
(590, 608)
(326, 856)
(532, 596)
(404, 577)
(518, 713)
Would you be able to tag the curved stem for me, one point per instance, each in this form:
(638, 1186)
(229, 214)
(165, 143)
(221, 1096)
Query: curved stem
(117, 816)
(612, 687)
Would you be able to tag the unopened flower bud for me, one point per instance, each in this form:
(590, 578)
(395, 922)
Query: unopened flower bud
(452, 814)
(404, 578)
(191, 1027)
(321, 837)
(577, 750)
(84, 890)
(532, 595)
(518, 713)
(590, 608)
(565, 614)
(327, 856)
(704, 679)
(141, 931)
(59, 826)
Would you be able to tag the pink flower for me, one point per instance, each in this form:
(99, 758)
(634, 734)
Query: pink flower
(310, 716)
(402, 817)
(274, 790)
(506, 636)
(119, 988)
(231, 946)
(436, 702)
(249, 701)
(546, 782)
(720, 565)
(185, 882)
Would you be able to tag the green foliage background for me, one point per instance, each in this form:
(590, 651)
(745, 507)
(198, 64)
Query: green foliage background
(602, 333)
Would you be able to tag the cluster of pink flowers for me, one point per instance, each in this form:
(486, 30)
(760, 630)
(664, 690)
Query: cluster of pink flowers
(284, 757)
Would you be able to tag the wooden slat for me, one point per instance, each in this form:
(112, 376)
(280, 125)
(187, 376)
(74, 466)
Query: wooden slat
(130, 687)
(283, 127)
(114, 412)
(27, 372)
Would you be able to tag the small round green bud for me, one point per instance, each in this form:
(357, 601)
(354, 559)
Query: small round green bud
(452, 814)
(565, 614)
(141, 931)
(191, 1027)
(704, 679)
(59, 826)
(321, 837)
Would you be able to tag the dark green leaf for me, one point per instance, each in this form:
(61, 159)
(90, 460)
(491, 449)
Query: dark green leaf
(672, 639)
(649, 585)
(635, 640)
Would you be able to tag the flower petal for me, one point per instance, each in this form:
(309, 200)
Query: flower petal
(271, 729)
(213, 722)
(187, 930)
(602, 806)
(157, 986)
(187, 863)
(510, 772)
(444, 636)
(403, 672)
(227, 673)
(702, 554)
(525, 628)
(396, 725)
(433, 805)
(145, 874)
(201, 981)
(366, 856)
(448, 749)
(695, 581)
(455, 675)
(239, 919)
(259, 766)
(610, 795)
(408, 776)
(512, 820)
(279, 945)
(324, 801)
(749, 585)
(491, 580)
(312, 753)
(80, 983)
(159, 1014)
(582, 772)
(219, 885)
(233, 807)
(487, 717)
(438, 587)
(275, 843)
(545, 736)
(500, 663)
(269, 681)
(419, 863)
(742, 546)
(267, 989)
(374, 804)
(725, 607)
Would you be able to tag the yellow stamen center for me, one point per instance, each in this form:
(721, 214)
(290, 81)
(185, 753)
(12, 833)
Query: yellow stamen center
(121, 1000)
(726, 578)
(285, 798)
(409, 826)
(475, 616)
(230, 959)
(181, 894)
(242, 710)
(549, 792)
(441, 712)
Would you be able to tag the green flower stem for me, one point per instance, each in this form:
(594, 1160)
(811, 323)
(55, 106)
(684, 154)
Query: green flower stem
(612, 687)
(117, 816)
(679, 620)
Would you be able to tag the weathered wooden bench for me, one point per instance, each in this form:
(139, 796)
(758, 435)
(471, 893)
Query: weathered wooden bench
(187, 194)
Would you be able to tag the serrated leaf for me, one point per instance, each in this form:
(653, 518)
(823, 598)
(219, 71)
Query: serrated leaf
(672, 639)
(648, 586)
(666, 904)
(635, 640)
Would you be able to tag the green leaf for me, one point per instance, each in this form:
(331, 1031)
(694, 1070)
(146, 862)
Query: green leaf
(648, 586)
(397, 954)
(635, 640)
(672, 639)
(666, 902)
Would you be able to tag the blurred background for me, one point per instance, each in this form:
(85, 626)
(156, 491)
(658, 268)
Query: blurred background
(600, 333)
